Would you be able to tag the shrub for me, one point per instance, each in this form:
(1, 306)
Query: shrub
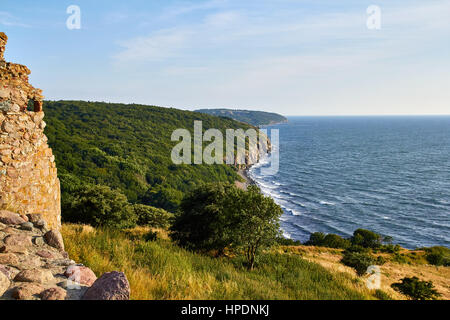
(152, 217)
(416, 289)
(151, 236)
(366, 238)
(359, 261)
(99, 206)
(315, 239)
(288, 242)
(438, 256)
(356, 248)
(202, 224)
(390, 248)
(335, 241)
(163, 197)
(330, 241)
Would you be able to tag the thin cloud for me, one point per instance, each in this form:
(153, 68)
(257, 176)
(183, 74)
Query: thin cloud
(8, 20)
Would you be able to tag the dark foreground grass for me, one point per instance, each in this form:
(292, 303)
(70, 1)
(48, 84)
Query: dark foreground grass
(161, 270)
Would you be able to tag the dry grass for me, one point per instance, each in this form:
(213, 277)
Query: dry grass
(161, 270)
(391, 272)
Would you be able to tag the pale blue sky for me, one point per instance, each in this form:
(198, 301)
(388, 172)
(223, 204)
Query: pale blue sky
(295, 57)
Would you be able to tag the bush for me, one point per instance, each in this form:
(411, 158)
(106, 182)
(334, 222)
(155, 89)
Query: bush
(366, 238)
(202, 224)
(336, 242)
(99, 206)
(390, 248)
(151, 236)
(358, 249)
(162, 197)
(359, 261)
(438, 256)
(329, 241)
(152, 217)
(315, 239)
(416, 289)
(288, 242)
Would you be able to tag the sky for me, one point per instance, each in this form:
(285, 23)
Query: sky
(294, 57)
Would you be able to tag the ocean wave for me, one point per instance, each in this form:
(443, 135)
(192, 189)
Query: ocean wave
(327, 203)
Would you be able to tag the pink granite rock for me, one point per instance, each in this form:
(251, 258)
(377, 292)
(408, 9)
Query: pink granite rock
(26, 291)
(19, 240)
(8, 217)
(110, 286)
(54, 239)
(81, 275)
(34, 275)
(55, 293)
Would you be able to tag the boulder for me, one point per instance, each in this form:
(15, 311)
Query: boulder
(34, 275)
(55, 293)
(54, 239)
(110, 286)
(8, 217)
(26, 291)
(81, 275)
(19, 240)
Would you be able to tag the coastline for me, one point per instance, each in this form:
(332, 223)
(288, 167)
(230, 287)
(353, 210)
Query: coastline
(244, 174)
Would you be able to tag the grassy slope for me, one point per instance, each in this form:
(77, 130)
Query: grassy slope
(162, 270)
(391, 272)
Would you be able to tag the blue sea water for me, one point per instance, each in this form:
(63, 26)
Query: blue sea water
(386, 174)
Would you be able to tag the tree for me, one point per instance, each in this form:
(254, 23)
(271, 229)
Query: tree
(162, 197)
(366, 238)
(202, 223)
(151, 216)
(258, 217)
(99, 206)
(360, 261)
(217, 216)
(416, 289)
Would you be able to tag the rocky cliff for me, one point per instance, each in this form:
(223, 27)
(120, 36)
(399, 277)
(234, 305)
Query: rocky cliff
(33, 263)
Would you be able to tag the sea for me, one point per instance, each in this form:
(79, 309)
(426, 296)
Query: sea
(390, 175)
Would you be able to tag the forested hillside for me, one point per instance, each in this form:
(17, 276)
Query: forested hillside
(128, 147)
(255, 118)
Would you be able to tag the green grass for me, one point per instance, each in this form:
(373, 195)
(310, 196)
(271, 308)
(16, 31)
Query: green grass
(162, 270)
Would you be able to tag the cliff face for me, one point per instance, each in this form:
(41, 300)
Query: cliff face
(28, 175)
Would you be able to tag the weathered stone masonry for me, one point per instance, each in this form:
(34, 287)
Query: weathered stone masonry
(28, 174)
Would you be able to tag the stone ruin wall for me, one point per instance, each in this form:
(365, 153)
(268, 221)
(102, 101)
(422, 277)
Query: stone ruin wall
(28, 174)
